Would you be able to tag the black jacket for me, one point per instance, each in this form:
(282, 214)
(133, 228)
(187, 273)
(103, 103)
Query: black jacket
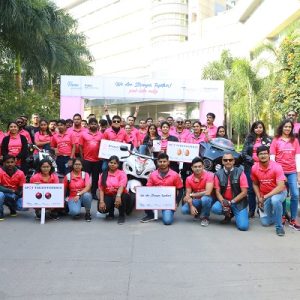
(24, 150)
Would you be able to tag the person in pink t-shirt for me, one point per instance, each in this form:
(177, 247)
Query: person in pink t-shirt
(211, 128)
(164, 176)
(292, 115)
(180, 132)
(89, 144)
(45, 174)
(42, 138)
(231, 190)
(285, 150)
(256, 137)
(269, 187)
(198, 189)
(132, 137)
(113, 194)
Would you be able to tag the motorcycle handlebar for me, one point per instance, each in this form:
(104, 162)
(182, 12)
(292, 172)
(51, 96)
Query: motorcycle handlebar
(135, 153)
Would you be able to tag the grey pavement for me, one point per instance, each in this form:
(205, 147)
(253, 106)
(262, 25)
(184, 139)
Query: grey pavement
(72, 259)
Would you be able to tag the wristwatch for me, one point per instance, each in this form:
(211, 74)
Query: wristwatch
(118, 195)
(191, 195)
(78, 194)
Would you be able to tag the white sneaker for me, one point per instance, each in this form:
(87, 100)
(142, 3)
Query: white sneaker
(204, 222)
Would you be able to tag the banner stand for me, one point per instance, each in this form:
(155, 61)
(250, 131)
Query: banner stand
(155, 214)
(43, 215)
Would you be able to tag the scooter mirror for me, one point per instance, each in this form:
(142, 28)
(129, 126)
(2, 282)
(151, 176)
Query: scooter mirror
(124, 148)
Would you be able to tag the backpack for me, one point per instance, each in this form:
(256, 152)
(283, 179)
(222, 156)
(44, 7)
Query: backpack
(69, 176)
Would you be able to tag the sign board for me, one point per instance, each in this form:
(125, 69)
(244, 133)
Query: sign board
(109, 148)
(155, 197)
(43, 195)
(156, 145)
(182, 152)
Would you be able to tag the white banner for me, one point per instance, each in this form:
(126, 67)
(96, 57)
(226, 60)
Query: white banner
(182, 152)
(155, 197)
(43, 195)
(109, 148)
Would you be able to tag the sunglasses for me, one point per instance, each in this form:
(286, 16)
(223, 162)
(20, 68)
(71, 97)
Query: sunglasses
(116, 121)
(227, 159)
(179, 122)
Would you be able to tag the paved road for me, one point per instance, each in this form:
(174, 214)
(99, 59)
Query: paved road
(69, 259)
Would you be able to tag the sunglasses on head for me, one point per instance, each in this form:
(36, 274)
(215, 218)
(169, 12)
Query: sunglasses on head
(227, 159)
(116, 121)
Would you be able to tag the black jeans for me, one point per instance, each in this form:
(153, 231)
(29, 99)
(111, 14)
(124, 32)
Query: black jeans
(110, 204)
(93, 168)
(61, 164)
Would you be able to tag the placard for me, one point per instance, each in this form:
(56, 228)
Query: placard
(182, 152)
(37, 195)
(109, 148)
(156, 145)
(155, 197)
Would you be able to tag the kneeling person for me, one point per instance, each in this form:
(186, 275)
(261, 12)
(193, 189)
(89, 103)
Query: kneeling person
(231, 190)
(199, 187)
(164, 176)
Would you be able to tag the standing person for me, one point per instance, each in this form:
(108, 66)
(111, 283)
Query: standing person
(103, 125)
(112, 186)
(198, 189)
(142, 131)
(69, 123)
(45, 174)
(211, 128)
(11, 185)
(164, 176)
(170, 120)
(188, 125)
(149, 121)
(197, 136)
(293, 116)
(165, 138)
(61, 143)
(269, 186)
(21, 124)
(285, 150)
(16, 145)
(89, 144)
(221, 132)
(257, 137)
(76, 132)
(132, 137)
(77, 184)
(180, 132)
(84, 124)
(43, 137)
(35, 121)
(115, 132)
(231, 190)
(52, 126)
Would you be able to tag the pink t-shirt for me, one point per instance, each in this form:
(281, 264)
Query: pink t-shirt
(14, 182)
(76, 184)
(199, 184)
(212, 131)
(121, 136)
(285, 153)
(255, 146)
(27, 135)
(171, 179)
(296, 128)
(182, 136)
(76, 134)
(132, 138)
(90, 143)
(163, 144)
(267, 177)
(38, 178)
(228, 193)
(39, 137)
(63, 143)
(142, 134)
(113, 182)
(192, 139)
(14, 145)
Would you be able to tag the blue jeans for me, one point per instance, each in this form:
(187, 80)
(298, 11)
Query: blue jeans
(167, 215)
(12, 201)
(294, 192)
(75, 207)
(251, 194)
(273, 210)
(241, 216)
(204, 204)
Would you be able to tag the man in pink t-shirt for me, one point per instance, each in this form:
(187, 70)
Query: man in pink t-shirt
(269, 187)
(292, 115)
(198, 189)
(231, 187)
(164, 176)
(211, 128)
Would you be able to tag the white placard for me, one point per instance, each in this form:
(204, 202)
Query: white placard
(156, 145)
(43, 195)
(182, 152)
(155, 197)
(109, 148)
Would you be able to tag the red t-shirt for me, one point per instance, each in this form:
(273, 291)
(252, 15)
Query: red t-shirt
(42, 138)
(120, 136)
(113, 182)
(90, 143)
(267, 177)
(228, 193)
(14, 182)
(171, 179)
(76, 184)
(38, 178)
(63, 143)
(76, 134)
(199, 184)
(14, 145)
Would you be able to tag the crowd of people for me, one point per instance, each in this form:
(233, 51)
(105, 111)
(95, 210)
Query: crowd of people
(270, 170)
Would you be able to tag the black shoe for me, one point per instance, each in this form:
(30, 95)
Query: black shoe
(95, 197)
(1, 216)
(147, 219)
(88, 217)
(226, 220)
(121, 220)
(13, 213)
(280, 231)
(54, 216)
(109, 217)
(251, 214)
(37, 215)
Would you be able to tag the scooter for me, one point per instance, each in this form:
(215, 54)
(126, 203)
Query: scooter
(138, 168)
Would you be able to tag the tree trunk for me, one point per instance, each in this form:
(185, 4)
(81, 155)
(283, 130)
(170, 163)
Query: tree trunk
(18, 77)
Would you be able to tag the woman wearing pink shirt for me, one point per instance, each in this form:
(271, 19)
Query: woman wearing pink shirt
(45, 174)
(285, 150)
(197, 136)
(16, 145)
(43, 137)
(132, 137)
(255, 138)
(112, 186)
(78, 185)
